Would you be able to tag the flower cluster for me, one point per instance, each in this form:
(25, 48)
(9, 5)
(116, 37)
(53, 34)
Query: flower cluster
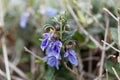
(52, 47)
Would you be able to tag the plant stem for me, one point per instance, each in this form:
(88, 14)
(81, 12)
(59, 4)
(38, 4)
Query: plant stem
(5, 58)
(4, 48)
(115, 73)
(27, 50)
(61, 30)
(119, 33)
(111, 46)
(80, 27)
(104, 47)
(106, 10)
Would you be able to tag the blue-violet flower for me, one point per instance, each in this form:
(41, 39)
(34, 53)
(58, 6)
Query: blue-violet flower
(71, 56)
(50, 11)
(54, 48)
(51, 61)
(24, 19)
(45, 41)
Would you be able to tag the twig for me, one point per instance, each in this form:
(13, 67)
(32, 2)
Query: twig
(16, 78)
(5, 58)
(80, 27)
(4, 49)
(90, 62)
(107, 74)
(119, 33)
(104, 47)
(89, 75)
(27, 50)
(87, 11)
(33, 67)
(105, 9)
(80, 65)
(2, 73)
(91, 58)
(115, 73)
(77, 74)
(111, 46)
(13, 77)
(68, 68)
(18, 71)
(72, 71)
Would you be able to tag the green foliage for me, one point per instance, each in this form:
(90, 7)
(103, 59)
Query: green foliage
(19, 46)
(39, 61)
(79, 37)
(114, 34)
(68, 35)
(91, 17)
(108, 65)
(91, 45)
(49, 75)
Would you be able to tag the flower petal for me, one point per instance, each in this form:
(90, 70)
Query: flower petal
(44, 44)
(49, 51)
(56, 65)
(58, 43)
(72, 52)
(66, 54)
(24, 19)
(52, 61)
(46, 35)
(56, 51)
(45, 59)
(51, 11)
(73, 60)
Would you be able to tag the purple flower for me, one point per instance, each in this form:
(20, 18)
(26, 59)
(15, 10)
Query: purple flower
(54, 48)
(53, 53)
(50, 11)
(24, 19)
(51, 61)
(45, 41)
(71, 56)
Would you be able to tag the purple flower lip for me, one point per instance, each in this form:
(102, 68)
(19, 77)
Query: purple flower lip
(51, 61)
(71, 55)
(53, 53)
(54, 48)
(47, 37)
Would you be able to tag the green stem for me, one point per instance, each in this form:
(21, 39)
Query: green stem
(61, 30)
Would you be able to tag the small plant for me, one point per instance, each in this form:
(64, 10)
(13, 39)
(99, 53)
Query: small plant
(55, 47)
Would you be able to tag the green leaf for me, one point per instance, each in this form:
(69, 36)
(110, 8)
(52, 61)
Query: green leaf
(49, 74)
(29, 74)
(35, 39)
(110, 77)
(79, 36)
(114, 34)
(94, 30)
(68, 35)
(18, 49)
(108, 65)
(19, 46)
(92, 45)
(39, 61)
(81, 16)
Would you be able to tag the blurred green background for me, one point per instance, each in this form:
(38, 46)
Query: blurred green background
(23, 26)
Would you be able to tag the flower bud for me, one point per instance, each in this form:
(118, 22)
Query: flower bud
(67, 27)
(57, 27)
